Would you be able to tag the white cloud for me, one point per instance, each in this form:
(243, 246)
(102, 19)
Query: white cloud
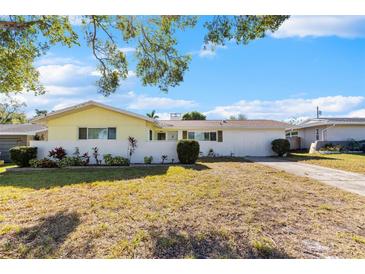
(147, 102)
(283, 109)
(50, 59)
(57, 74)
(75, 20)
(67, 103)
(131, 73)
(357, 113)
(208, 50)
(163, 115)
(316, 26)
(127, 49)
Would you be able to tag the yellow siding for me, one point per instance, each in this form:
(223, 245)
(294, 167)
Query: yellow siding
(65, 128)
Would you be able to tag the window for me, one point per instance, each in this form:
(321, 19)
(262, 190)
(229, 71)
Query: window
(97, 133)
(151, 135)
(202, 136)
(317, 134)
(291, 133)
(161, 136)
(220, 136)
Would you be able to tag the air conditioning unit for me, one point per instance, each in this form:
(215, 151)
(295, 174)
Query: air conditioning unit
(175, 116)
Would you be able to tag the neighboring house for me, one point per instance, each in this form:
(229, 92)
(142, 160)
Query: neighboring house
(327, 129)
(12, 135)
(93, 124)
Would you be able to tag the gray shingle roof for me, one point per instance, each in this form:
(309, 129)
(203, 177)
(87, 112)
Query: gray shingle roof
(21, 129)
(259, 124)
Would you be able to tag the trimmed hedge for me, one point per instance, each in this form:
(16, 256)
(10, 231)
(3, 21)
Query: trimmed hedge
(21, 155)
(280, 146)
(188, 151)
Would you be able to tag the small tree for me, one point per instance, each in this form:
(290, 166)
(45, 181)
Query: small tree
(96, 155)
(239, 116)
(188, 151)
(280, 146)
(132, 145)
(194, 115)
(152, 115)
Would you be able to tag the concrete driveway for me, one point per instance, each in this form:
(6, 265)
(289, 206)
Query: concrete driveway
(349, 181)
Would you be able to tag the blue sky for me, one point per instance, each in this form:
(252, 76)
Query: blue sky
(310, 61)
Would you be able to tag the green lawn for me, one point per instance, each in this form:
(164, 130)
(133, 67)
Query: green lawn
(347, 162)
(227, 209)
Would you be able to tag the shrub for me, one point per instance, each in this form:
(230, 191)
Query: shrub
(148, 160)
(331, 147)
(57, 153)
(280, 146)
(43, 163)
(115, 161)
(353, 145)
(21, 155)
(73, 161)
(188, 151)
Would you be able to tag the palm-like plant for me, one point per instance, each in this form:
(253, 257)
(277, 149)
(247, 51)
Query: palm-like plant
(152, 115)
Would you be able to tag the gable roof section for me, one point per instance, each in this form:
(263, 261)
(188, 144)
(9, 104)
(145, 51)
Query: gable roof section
(21, 129)
(64, 111)
(223, 124)
(329, 121)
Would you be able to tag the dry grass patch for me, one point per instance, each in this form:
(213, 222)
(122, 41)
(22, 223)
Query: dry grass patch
(214, 210)
(347, 162)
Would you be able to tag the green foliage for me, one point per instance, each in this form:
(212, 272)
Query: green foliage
(194, 115)
(239, 116)
(152, 115)
(43, 163)
(264, 247)
(115, 161)
(21, 155)
(331, 147)
(26, 38)
(148, 160)
(72, 161)
(10, 111)
(40, 112)
(280, 146)
(188, 151)
(242, 29)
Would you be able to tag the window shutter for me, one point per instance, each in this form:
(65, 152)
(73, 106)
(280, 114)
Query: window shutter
(82, 133)
(185, 134)
(112, 133)
(220, 136)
